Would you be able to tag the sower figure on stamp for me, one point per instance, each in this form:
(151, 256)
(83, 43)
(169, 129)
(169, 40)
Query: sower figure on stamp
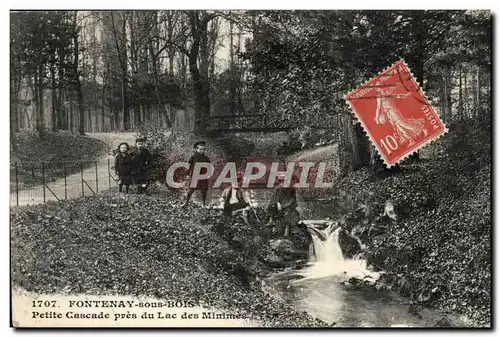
(283, 206)
(123, 167)
(142, 162)
(386, 112)
(202, 184)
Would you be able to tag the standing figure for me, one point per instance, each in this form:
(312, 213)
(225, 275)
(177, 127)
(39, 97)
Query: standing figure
(142, 162)
(202, 185)
(406, 128)
(283, 205)
(123, 167)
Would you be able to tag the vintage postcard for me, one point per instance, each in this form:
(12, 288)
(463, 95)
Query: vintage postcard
(249, 169)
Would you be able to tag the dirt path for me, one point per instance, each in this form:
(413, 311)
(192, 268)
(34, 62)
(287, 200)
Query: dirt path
(323, 152)
(98, 177)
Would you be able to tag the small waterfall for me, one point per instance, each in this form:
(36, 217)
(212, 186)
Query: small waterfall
(326, 258)
(325, 245)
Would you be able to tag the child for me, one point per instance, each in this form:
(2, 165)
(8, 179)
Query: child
(123, 167)
(233, 199)
(202, 185)
(142, 162)
(283, 205)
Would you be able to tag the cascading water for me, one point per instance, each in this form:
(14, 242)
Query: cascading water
(319, 288)
(325, 245)
(327, 258)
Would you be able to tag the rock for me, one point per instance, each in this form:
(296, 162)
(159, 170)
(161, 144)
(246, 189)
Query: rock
(281, 245)
(350, 246)
(275, 261)
(287, 249)
(443, 323)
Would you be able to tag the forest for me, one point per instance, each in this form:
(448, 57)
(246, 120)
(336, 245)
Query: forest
(106, 71)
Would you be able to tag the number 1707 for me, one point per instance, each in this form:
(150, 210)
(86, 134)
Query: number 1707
(44, 304)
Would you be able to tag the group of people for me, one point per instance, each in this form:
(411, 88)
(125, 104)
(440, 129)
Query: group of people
(133, 168)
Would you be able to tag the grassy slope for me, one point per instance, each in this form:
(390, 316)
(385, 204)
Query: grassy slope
(438, 252)
(53, 149)
(140, 245)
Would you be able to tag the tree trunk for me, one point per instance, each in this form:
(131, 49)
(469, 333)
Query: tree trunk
(490, 97)
(160, 102)
(183, 71)
(89, 121)
(466, 95)
(36, 95)
(460, 98)
(111, 119)
(54, 100)
(141, 115)
(103, 127)
(41, 108)
(361, 147)
(116, 118)
(14, 103)
(444, 103)
(14, 106)
(232, 88)
(150, 113)
(473, 88)
(125, 103)
(81, 109)
(204, 56)
(76, 79)
(200, 87)
(449, 103)
(61, 110)
(214, 34)
(171, 51)
(478, 93)
(200, 107)
(70, 116)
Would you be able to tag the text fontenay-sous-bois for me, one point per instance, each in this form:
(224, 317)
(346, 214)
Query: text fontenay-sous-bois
(44, 310)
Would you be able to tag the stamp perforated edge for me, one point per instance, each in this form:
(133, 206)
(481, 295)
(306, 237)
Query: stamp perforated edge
(367, 131)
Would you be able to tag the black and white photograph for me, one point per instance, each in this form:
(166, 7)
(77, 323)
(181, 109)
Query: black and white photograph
(251, 168)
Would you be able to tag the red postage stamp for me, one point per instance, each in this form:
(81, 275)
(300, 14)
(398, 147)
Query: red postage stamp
(395, 114)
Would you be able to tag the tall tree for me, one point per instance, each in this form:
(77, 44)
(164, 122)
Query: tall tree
(118, 29)
(76, 73)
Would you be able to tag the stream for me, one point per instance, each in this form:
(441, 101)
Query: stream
(322, 288)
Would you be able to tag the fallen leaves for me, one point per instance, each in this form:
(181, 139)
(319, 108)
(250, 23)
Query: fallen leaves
(141, 246)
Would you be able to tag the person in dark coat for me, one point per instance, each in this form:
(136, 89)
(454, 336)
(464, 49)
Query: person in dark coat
(123, 167)
(142, 163)
(283, 205)
(235, 198)
(202, 185)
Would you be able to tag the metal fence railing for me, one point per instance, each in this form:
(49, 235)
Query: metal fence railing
(40, 182)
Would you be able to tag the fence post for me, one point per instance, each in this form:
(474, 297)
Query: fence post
(81, 170)
(17, 187)
(65, 185)
(43, 180)
(109, 175)
(96, 179)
